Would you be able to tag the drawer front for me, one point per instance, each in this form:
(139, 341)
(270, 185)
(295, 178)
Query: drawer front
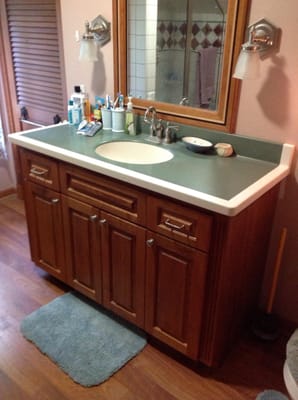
(180, 222)
(39, 169)
(105, 193)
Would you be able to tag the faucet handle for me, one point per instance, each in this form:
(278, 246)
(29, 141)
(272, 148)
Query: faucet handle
(175, 127)
(159, 129)
(150, 110)
(170, 136)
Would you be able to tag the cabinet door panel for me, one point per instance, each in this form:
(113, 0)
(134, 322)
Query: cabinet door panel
(44, 218)
(82, 247)
(123, 268)
(174, 293)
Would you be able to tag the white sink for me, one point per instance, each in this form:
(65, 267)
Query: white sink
(133, 152)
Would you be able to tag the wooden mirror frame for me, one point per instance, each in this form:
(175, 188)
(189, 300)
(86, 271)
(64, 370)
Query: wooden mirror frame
(224, 118)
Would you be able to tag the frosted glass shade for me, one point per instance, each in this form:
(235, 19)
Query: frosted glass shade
(248, 65)
(88, 50)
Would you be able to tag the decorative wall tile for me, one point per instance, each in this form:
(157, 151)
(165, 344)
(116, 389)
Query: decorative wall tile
(172, 35)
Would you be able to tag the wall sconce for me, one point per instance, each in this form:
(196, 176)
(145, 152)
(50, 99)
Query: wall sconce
(263, 39)
(98, 33)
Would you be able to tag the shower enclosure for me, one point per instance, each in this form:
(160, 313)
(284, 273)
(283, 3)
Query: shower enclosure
(175, 50)
(189, 48)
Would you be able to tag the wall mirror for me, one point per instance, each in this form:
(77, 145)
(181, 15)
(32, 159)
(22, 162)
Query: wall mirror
(179, 57)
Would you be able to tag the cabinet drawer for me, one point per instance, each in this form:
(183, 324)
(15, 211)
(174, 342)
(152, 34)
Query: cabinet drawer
(105, 193)
(39, 169)
(180, 222)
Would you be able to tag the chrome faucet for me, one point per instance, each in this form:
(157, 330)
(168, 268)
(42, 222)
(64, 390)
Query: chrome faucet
(158, 133)
(150, 119)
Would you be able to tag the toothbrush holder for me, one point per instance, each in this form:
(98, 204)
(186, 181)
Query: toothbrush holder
(118, 120)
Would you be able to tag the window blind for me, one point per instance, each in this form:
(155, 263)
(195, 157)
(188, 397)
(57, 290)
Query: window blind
(37, 57)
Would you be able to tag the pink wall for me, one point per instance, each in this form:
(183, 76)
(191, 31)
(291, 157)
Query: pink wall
(97, 77)
(268, 109)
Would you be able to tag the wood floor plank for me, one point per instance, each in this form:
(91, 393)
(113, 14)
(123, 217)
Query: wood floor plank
(25, 373)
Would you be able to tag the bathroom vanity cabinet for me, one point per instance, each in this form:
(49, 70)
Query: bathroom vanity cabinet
(187, 276)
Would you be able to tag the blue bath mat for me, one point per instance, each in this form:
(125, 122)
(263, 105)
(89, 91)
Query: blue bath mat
(84, 340)
(271, 395)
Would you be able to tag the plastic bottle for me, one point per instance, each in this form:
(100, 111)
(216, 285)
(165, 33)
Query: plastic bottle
(129, 119)
(77, 96)
(86, 108)
(85, 103)
(76, 114)
(97, 110)
(69, 111)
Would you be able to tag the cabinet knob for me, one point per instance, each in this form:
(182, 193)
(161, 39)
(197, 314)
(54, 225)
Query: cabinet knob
(102, 221)
(93, 218)
(54, 201)
(150, 242)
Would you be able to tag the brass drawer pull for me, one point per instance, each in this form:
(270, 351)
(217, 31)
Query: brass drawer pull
(168, 223)
(38, 171)
(103, 221)
(93, 218)
(54, 201)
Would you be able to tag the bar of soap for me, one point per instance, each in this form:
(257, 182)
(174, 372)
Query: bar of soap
(224, 149)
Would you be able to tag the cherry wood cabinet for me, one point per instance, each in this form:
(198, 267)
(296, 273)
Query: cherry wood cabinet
(175, 285)
(187, 276)
(123, 258)
(82, 247)
(43, 210)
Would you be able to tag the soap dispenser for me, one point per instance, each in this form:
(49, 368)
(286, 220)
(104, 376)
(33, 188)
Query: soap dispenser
(129, 119)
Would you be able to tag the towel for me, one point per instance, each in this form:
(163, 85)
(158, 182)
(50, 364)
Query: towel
(206, 75)
(3, 154)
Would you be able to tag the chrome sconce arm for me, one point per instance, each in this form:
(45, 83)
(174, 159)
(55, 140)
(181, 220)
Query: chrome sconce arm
(96, 33)
(264, 40)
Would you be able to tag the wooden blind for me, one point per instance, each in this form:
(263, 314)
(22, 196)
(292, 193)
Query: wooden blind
(37, 57)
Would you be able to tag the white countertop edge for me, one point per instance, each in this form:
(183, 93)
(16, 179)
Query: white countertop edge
(226, 207)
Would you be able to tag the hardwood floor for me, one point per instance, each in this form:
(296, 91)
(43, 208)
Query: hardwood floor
(25, 373)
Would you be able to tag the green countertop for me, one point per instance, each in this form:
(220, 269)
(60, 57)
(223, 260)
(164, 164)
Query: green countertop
(207, 174)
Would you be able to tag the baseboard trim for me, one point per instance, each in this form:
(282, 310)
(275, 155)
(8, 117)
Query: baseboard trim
(7, 192)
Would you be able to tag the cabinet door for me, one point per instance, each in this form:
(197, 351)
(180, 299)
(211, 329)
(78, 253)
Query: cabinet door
(82, 242)
(44, 218)
(123, 249)
(175, 283)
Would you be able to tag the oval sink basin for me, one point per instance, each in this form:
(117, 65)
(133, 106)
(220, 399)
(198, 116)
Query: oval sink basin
(133, 152)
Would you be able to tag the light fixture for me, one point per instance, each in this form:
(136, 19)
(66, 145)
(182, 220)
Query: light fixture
(263, 41)
(98, 33)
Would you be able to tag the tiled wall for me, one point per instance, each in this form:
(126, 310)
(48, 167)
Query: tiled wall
(142, 15)
(172, 34)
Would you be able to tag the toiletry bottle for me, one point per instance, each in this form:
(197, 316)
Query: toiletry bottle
(76, 97)
(69, 111)
(85, 104)
(87, 108)
(76, 114)
(79, 98)
(129, 119)
(97, 110)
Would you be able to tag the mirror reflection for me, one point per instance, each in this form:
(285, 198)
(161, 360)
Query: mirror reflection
(175, 50)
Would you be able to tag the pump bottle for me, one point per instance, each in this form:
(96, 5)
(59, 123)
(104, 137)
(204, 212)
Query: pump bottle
(129, 119)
